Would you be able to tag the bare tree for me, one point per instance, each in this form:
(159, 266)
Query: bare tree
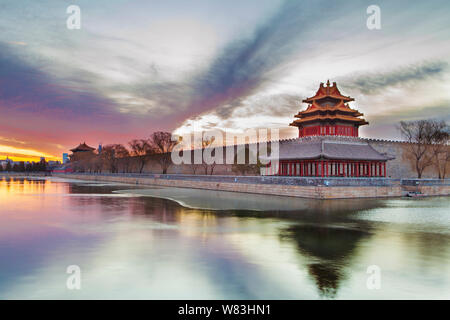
(246, 167)
(425, 138)
(123, 154)
(446, 160)
(111, 154)
(96, 164)
(440, 147)
(142, 150)
(195, 167)
(162, 144)
(205, 144)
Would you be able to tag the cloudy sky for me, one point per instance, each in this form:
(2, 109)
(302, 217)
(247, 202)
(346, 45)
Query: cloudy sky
(138, 66)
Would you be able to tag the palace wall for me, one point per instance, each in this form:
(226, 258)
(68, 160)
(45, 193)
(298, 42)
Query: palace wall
(400, 167)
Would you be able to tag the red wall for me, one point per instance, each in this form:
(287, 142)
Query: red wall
(329, 130)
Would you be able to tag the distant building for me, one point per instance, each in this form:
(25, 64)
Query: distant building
(81, 152)
(5, 162)
(65, 157)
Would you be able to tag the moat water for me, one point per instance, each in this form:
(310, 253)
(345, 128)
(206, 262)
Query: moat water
(163, 243)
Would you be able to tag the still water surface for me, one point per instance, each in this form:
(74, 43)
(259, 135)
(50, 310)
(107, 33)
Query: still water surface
(130, 246)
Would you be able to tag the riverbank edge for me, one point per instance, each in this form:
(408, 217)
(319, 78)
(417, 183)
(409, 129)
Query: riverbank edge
(395, 188)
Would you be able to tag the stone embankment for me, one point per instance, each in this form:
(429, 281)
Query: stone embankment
(316, 188)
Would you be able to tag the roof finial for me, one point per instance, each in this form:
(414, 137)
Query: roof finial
(328, 82)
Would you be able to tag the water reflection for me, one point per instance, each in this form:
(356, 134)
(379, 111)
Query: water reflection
(329, 250)
(130, 246)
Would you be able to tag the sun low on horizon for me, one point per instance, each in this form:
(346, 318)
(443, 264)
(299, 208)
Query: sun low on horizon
(108, 72)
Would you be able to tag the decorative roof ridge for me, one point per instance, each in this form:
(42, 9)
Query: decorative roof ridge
(360, 143)
(328, 91)
(386, 140)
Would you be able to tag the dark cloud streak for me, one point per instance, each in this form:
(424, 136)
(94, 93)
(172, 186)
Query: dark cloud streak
(243, 66)
(375, 82)
(26, 88)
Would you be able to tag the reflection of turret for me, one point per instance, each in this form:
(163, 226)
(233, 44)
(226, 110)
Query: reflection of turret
(329, 250)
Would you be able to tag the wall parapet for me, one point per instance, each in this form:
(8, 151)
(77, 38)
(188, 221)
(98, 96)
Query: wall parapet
(272, 180)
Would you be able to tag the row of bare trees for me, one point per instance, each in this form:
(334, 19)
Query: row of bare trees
(112, 156)
(428, 145)
(157, 148)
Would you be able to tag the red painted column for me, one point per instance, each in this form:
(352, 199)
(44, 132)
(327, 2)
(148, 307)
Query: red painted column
(323, 169)
(301, 168)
